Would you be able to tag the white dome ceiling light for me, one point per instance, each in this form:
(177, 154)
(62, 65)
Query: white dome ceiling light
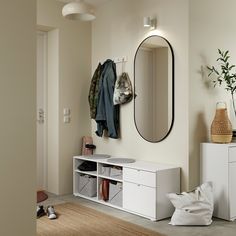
(78, 10)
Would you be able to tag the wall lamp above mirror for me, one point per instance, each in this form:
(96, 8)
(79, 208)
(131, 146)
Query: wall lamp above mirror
(154, 88)
(149, 22)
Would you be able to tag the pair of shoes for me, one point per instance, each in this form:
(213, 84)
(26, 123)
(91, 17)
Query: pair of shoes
(40, 211)
(50, 212)
(88, 166)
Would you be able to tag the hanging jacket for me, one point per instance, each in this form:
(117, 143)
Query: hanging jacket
(93, 91)
(107, 117)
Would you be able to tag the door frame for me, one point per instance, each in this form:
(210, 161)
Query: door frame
(45, 84)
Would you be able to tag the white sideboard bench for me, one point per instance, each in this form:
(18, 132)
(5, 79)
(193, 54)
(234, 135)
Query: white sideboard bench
(144, 186)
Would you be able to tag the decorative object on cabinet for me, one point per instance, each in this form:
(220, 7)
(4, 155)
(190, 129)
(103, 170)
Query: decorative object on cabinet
(98, 156)
(218, 165)
(141, 188)
(154, 88)
(221, 128)
(85, 141)
(225, 75)
(193, 208)
(118, 160)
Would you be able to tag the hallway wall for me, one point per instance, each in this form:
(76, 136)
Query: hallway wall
(18, 117)
(208, 32)
(70, 83)
(117, 31)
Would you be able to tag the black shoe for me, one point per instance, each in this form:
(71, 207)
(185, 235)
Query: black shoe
(88, 166)
(40, 211)
(51, 213)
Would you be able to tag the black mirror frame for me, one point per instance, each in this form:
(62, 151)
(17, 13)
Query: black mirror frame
(173, 89)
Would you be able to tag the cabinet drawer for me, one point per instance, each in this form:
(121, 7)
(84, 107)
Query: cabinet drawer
(140, 199)
(140, 177)
(232, 154)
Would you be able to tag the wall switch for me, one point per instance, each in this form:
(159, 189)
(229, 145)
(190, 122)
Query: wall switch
(66, 119)
(66, 111)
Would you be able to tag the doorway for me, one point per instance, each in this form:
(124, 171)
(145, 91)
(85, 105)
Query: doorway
(41, 110)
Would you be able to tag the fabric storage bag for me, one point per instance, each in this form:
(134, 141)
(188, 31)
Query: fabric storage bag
(105, 170)
(115, 193)
(193, 208)
(88, 185)
(123, 90)
(116, 172)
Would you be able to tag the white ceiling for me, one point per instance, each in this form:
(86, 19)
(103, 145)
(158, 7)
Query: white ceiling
(95, 3)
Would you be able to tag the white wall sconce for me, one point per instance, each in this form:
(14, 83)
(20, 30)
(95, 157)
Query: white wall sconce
(149, 22)
(78, 10)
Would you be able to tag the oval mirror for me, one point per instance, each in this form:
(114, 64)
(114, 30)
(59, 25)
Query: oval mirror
(154, 88)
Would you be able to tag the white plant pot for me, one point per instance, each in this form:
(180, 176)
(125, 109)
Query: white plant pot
(232, 114)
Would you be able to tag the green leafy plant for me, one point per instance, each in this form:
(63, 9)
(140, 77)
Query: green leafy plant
(224, 74)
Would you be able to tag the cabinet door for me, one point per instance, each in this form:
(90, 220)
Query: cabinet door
(140, 199)
(232, 154)
(232, 189)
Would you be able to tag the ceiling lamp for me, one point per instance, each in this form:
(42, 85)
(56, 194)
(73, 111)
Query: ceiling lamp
(78, 10)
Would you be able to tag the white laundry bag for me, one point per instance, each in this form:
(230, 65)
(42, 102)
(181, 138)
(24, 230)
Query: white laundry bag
(193, 208)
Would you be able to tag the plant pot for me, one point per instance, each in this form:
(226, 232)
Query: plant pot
(221, 127)
(233, 116)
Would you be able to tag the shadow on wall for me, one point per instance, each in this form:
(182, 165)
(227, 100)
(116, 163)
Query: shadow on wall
(200, 135)
(204, 72)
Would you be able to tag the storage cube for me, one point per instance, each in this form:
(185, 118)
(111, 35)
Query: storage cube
(116, 172)
(105, 170)
(115, 193)
(88, 185)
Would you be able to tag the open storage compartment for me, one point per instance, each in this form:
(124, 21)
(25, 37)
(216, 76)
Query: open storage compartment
(111, 171)
(86, 185)
(110, 191)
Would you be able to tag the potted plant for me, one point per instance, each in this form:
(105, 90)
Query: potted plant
(224, 75)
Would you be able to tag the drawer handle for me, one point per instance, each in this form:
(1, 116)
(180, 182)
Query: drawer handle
(138, 185)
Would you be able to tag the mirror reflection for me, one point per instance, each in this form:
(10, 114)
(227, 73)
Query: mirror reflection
(153, 105)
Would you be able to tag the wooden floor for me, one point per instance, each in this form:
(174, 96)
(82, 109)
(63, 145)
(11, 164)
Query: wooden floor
(78, 220)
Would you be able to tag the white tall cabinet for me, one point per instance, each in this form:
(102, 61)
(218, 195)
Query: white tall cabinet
(218, 165)
(144, 186)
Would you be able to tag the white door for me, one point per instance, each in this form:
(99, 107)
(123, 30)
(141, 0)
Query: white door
(41, 110)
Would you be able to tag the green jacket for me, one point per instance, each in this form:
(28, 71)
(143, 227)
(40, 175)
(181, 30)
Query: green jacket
(93, 91)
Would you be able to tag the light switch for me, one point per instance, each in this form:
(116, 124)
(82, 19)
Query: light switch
(66, 111)
(66, 119)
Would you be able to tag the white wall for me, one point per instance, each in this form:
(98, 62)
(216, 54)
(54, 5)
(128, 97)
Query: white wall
(212, 26)
(52, 113)
(18, 117)
(117, 31)
(74, 72)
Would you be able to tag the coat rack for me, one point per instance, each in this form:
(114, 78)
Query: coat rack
(120, 59)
